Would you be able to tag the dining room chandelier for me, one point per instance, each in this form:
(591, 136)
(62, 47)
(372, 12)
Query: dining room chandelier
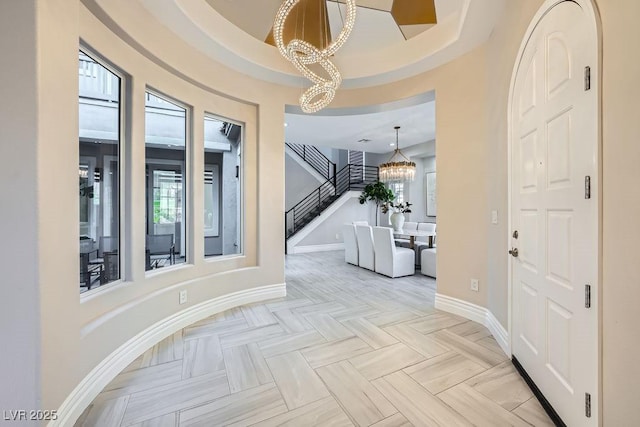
(310, 60)
(399, 168)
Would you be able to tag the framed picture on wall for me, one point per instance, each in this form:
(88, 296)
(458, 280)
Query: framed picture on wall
(431, 193)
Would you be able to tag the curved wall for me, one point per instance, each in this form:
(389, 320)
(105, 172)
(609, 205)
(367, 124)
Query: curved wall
(125, 34)
(471, 146)
(78, 333)
(66, 337)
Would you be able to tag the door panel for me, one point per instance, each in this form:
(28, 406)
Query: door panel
(558, 343)
(529, 316)
(529, 247)
(554, 146)
(559, 151)
(558, 64)
(528, 150)
(529, 90)
(559, 262)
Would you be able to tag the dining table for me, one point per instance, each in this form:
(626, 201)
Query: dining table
(412, 234)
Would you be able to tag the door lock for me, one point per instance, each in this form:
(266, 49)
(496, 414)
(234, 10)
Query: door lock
(515, 234)
(514, 252)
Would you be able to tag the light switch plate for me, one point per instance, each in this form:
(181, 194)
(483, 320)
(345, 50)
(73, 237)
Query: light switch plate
(494, 217)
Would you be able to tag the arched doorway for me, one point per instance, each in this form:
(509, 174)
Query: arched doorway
(554, 134)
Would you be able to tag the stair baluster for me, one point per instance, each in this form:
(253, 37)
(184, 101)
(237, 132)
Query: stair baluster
(314, 157)
(351, 177)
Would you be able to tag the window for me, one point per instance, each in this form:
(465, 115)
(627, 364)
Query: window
(356, 157)
(398, 191)
(165, 151)
(98, 172)
(356, 160)
(222, 187)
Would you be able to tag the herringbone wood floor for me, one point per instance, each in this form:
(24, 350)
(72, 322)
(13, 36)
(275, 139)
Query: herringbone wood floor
(345, 347)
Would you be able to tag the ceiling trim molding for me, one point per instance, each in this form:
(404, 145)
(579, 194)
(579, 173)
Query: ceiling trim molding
(201, 26)
(367, 109)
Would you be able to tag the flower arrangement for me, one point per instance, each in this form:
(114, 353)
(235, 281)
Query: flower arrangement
(404, 207)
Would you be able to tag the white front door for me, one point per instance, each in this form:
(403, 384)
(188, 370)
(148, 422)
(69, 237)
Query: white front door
(554, 147)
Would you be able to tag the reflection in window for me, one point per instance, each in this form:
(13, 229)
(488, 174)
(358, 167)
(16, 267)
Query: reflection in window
(212, 200)
(222, 187)
(165, 149)
(398, 191)
(98, 173)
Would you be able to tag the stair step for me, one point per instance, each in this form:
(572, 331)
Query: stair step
(354, 180)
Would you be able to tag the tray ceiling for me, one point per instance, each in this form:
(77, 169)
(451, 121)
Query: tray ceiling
(390, 40)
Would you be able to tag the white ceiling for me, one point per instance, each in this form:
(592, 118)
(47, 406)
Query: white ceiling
(417, 124)
(374, 29)
(231, 32)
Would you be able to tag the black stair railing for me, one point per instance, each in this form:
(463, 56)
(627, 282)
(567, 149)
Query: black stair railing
(351, 177)
(314, 157)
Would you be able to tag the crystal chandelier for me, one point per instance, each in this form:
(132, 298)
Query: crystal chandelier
(397, 169)
(303, 54)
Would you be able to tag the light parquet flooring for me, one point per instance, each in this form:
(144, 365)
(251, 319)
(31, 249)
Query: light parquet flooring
(345, 347)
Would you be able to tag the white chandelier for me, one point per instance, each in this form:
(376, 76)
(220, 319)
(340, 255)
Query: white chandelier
(302, 54)
(396, 169)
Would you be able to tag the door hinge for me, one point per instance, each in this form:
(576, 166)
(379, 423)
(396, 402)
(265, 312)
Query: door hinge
(587, 405)
(587, 296)
(587, 78)
(587, 187)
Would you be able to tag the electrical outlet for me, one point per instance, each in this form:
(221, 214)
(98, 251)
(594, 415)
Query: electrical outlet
(337, 236)
(474, 285)
(183, 296)
(494, 217)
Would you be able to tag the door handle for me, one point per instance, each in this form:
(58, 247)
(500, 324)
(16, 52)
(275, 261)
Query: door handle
(514, 252)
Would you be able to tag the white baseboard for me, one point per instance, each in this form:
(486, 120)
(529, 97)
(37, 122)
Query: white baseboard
(461, 308)
(499, 333)
(477, 314)
(317, 248)
(112, 365)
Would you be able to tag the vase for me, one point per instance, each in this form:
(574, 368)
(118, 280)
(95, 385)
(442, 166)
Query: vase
(397, 220)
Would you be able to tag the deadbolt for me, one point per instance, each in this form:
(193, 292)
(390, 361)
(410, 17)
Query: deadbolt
(515, 234)
(514, 252)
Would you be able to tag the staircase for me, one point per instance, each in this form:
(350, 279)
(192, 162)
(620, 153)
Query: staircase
(351, 177)
(314, 158)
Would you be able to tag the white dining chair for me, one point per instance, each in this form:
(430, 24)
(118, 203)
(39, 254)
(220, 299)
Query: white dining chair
(410, 226)
(422, 242)
(360, 222)
(391, 260)
(350, 244)
(366, 254)
(428, 262)
(426, 226)
(429, 227)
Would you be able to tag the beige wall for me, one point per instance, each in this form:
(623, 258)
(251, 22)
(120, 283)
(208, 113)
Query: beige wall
(471, 111)
(471, 120)
(621, 210)
(621, 199)
(461, 153)
(107, 320)
(502, 50)
(61, 336)
(19, 311)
